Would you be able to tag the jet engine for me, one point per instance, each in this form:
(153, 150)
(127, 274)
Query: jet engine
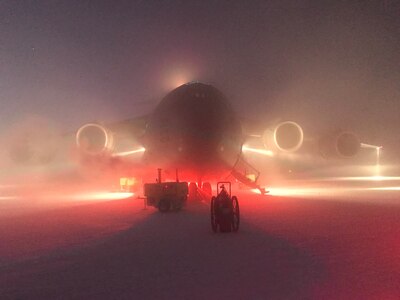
(340, 144)
(285, 136)
(94, 139)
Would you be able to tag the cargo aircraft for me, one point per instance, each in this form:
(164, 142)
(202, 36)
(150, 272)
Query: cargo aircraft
(194, 130)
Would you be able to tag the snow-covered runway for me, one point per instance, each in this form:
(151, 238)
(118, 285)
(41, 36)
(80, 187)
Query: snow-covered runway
(287, 248)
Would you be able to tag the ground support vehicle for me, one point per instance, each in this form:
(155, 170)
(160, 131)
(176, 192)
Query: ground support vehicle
(166, 195)
(225, 213)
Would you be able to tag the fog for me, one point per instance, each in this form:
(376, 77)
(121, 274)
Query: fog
(326, 66)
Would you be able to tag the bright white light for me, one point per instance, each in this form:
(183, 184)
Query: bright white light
(293, 191)
(298, 192)
(378, 158)
(313, 192)
(8, 197)
(259, 151)
(388, 188)
(88, 196)
(363, 145)
(98, 196)
(363, 178)
(126, 153)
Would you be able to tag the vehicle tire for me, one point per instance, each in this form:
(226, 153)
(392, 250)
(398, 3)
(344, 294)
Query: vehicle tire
(178, 206)
(164, 205)
(225, 226)
(214, 224)
(235, 214)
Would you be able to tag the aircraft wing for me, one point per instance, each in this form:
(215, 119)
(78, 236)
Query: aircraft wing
(36, 142)
(287, 147)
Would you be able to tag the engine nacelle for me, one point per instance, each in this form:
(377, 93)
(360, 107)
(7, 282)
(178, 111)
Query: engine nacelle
(340, 144)
(94, 139)
(286, 136)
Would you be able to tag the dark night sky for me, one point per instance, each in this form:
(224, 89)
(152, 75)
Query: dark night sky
(323, 63)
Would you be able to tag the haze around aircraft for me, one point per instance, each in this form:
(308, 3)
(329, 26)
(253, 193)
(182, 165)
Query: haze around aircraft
(195, 130)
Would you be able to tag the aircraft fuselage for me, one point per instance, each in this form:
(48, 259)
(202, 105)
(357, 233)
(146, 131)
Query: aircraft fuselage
(194, 129)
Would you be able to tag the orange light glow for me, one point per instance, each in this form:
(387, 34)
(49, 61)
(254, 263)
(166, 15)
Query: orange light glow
(179, 81)
(177, 76)
(127, 181)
